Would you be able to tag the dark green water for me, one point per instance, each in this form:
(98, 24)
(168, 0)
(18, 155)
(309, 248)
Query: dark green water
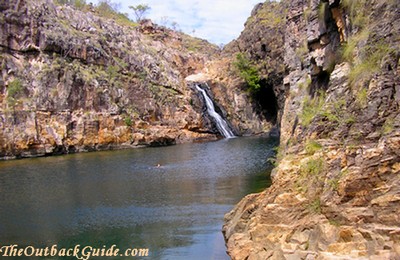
(122, 198)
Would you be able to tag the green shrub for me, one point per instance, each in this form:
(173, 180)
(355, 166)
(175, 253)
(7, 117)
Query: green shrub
(78, 4)
(348, 49)
(272, 19)
(312, 147)
(128, 121)
(334, 222)
(371, 56)
(311, 108)
(312, 167)
(334, 183)
(105, 8)
(349, 119)
(358, 11)
(364, 54)
(331, 117)
(279, 154)
(271, 15)
(120, 62)
(362, 98)
(248, 72)
(306, 84)
(113, 72)
(315, 206)
(388, 126)
(335, 111)
(14, 89)
(108, 9)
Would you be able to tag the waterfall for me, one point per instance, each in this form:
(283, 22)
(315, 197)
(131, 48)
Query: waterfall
(222, 125)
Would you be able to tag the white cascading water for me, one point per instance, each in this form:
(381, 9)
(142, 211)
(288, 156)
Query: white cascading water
(222, 126)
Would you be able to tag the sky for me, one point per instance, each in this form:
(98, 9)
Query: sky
(218, 21)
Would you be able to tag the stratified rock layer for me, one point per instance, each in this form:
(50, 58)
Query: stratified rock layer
(72, 81)
(336, 189)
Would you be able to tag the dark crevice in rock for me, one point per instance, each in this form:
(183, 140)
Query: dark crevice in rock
(335, 3)
(266, 102)
(320, 82)
(171, 88)
(264, 48)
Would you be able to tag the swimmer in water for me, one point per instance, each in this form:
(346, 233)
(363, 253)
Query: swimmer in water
(158, 165)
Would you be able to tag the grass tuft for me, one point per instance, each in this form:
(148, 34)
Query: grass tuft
(313, 167)
(312, 147)
(388, 126)
(311, 108)
(315, 206)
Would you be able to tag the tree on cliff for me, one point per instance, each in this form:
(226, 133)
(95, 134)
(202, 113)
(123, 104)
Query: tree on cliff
(248, 72)
(140, 11)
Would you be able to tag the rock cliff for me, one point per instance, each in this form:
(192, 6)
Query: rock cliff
(259, 111)
(336, 187)
(75, 81)
(325, 73)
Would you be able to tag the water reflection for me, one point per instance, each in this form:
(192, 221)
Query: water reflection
(123, 198)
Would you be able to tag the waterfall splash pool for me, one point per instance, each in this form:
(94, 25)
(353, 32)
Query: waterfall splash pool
(123, 197)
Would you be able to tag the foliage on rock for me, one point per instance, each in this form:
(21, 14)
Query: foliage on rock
(247, 72)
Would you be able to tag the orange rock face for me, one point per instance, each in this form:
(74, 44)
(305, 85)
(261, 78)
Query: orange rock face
(335, 191)
(89, 83)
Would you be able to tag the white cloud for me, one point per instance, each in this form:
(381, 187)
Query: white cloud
(218, 21)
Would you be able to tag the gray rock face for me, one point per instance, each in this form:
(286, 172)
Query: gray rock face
(335, 192)
(72, 81)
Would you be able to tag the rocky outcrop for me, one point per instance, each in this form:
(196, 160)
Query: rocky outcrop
(261, 41)
(72, 81)
(76, 81)
(335, 191)
(252, 112)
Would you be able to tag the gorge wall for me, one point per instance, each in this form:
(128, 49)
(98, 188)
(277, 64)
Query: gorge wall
(74, 81)
(327, 78)
(253, 111)
(336, 187)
